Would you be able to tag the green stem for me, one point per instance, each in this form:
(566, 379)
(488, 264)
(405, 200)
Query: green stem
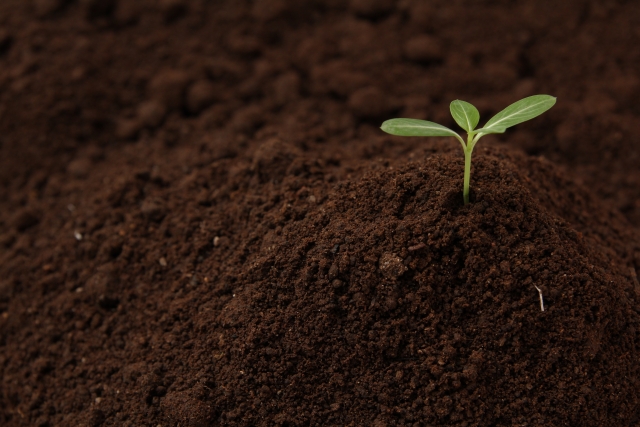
(467, 174)
(468, 149)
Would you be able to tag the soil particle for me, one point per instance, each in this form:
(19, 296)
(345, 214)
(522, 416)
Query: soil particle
(248, 119)
(153, 209)
(200, 95)
(173, 10)
(127, 13)
(151, 113)
(286, 88)
(80, 168)
(273, 158)
(168, 88)
(128, 128)
(95, 9)
(243, 44)
(5, 41)
(44, 8)
(25, 218)
(267, 10)
(423, 48)
(391, 265)
(371, 8)
(187, 410)
(369, 103)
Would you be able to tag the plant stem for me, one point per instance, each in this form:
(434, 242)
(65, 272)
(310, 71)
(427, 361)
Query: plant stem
(468, 149)
(467, 173)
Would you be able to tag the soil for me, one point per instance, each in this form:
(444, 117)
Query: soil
(202, 224)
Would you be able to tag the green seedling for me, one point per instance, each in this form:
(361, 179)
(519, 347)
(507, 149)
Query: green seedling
(467, 117)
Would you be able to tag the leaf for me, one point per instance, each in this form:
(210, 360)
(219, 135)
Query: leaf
(465, 114)
(518, 112)
(415, 127)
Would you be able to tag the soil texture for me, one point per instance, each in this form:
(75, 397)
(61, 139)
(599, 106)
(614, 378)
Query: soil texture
(201, 223)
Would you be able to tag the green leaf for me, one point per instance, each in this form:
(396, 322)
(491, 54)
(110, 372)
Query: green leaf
(465, 114)
(415, 127)
(518, 112)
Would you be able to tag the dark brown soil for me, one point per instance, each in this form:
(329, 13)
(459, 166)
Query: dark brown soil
(201, 223)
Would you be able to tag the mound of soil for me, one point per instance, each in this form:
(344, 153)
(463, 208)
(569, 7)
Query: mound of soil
(259, 292)
(390, 303)
(201, 223)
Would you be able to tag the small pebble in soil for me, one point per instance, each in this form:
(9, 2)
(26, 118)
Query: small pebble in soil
(391, 265)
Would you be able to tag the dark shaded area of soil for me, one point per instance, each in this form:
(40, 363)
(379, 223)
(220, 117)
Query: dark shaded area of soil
(201, 223)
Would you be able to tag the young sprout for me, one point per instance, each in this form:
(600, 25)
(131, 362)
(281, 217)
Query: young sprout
(467, 117)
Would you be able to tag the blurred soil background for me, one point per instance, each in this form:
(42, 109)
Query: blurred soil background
(160, 159)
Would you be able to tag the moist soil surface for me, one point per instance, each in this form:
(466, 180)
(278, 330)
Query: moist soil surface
(201, 223)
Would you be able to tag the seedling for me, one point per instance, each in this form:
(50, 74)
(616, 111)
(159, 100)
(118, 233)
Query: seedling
(467, 117)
